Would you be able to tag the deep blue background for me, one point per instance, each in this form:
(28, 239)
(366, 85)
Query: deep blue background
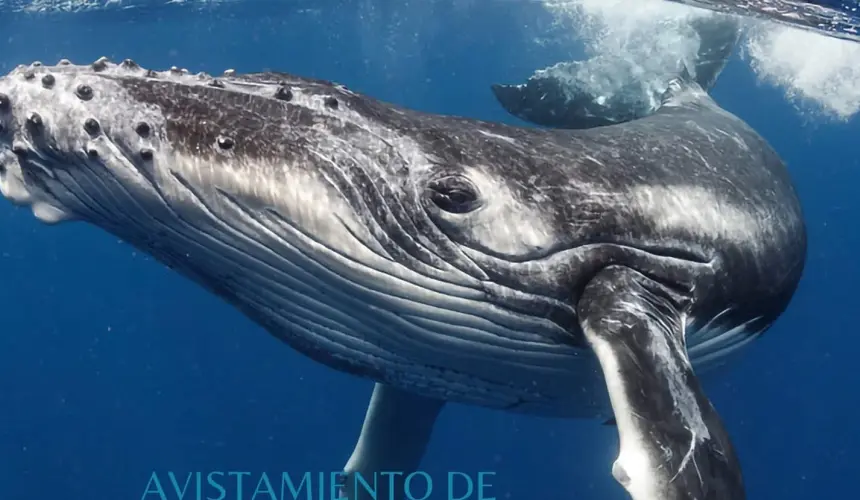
(112, 366)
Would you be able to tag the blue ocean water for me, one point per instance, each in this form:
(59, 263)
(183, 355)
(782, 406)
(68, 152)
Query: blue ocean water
(112, 366)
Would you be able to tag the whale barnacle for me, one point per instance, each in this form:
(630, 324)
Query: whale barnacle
(331, 102)
(5, 103)
(216, 83)
(19, 149)
(92, 126)
(174, 70)
(92, 152)
(230, 72)
(36, 64)
(48, 81)
(84, 92)
(129, 64)
(64, 62)
(29, 74)
(225, 142)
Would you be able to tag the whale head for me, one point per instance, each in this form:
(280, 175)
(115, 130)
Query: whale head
(355, 230)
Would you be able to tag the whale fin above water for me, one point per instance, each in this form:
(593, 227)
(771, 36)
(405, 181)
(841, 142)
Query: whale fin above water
(615, 88)
(672, 442)
(394, 436)
(684, 91)
(718, 37)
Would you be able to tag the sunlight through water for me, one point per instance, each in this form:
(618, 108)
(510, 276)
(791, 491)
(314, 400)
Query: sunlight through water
(818, 73)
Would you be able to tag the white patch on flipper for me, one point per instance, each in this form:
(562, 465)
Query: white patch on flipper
(633, 459)
(634, 468)
(695, 210)
(396, 430)
(664, 347)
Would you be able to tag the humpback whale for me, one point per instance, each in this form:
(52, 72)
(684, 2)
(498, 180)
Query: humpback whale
(570, 273)
(613, 88)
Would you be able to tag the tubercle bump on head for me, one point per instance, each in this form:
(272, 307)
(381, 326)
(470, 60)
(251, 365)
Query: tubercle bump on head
(278, 86)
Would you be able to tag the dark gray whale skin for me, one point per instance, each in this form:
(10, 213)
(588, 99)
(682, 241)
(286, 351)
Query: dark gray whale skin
(444, 258)
(549, 100)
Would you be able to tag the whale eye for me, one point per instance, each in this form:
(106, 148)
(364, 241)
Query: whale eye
(454, 194)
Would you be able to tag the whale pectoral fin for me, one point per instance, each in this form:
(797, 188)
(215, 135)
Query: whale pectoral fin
(718, 37)
(520, 101)
(510, 96)
(672, 442)
(548, 100)
(600, 91)
(396, 430)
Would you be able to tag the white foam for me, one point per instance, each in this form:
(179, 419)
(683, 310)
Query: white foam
(812, 69)
(819, 73)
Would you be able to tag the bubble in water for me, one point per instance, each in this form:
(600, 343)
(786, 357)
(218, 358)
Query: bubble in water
(812, 69)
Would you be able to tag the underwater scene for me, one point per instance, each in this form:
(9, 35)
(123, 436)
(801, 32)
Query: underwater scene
(435, 249)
